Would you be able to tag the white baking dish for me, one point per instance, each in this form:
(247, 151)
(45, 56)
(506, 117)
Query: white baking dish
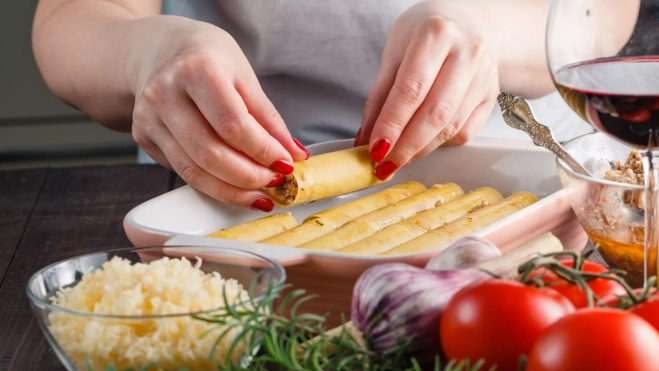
(506, 165)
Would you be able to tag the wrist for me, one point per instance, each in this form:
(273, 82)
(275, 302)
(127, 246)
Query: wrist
(473, 17)
(150, 41)
(514, 33)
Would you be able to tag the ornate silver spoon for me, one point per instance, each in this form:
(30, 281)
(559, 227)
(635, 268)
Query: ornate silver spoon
(517, 113)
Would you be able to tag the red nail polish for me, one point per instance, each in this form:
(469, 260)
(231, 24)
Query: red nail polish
(277, 181)
(282, 166)
(263, 204)
(359, 132)
(301, 147)
(380, 149)
(385, 169)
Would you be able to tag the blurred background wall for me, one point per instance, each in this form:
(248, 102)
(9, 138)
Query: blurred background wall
(36, 129)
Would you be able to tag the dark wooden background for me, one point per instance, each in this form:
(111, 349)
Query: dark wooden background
(47, 215)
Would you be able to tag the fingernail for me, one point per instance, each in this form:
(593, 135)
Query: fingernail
(359, 132)
(282, 166)
(385, 169)
(380, 149)
(277, 181)
(301, 147)
(263, 204)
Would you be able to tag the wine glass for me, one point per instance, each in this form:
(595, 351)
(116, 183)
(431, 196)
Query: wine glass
(604, 60)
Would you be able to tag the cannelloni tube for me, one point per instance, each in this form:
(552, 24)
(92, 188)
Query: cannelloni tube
(375, 221)
(327, 175)
(466, 225)
(422, 223)
(383, 240)
(300, 234)
(324, 222)
(338, 216)
(258, 229)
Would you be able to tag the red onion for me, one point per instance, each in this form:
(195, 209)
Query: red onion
(393, 302)
(464, 253)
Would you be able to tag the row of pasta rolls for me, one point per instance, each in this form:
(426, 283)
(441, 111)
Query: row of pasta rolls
(282, 229)
(402, 219)
(472, 222)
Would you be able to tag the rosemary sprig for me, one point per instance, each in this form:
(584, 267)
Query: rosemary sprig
(274, 341)
(112, 367)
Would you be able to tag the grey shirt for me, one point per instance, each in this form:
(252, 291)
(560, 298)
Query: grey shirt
(317, 60)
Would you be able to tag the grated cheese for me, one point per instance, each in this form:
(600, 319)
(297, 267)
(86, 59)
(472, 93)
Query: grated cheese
(164, 286)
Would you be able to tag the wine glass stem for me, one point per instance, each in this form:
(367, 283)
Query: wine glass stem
(651, 172)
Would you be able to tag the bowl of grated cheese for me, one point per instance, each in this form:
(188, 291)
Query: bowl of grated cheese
(151, 308)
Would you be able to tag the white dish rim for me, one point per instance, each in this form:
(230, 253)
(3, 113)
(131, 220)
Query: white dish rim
(275, 252)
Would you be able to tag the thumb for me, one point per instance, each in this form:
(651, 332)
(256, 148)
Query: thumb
(375, 101)
(265, 113)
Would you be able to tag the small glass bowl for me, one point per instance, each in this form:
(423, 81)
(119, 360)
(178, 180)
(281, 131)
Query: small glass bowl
(116, 351)
(601, 205)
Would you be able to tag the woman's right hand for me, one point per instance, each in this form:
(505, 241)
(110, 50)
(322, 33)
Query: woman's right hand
(199, 110)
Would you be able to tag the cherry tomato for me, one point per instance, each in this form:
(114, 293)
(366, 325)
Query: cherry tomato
(636, 115)
(498, 321)
(648, 309)
(601, 287)
(613, 300)
(650, 103)
(599, 339)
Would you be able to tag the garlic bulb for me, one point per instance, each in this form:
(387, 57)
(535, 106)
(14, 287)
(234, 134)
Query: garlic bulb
(464, 253)
(393, 302)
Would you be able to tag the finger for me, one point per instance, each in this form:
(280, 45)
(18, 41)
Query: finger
(413, 81)
(139, 131)
(480, 90)
(265, 113)
(208, 150)
(435, 116)
(474, 123)
(206, 183)
(478, 117)
(469, 130)
(224, 109)
(156, 154)
(357, 138)
(389, 65)
(375, 101)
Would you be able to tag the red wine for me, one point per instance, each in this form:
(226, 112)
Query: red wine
(618, 96)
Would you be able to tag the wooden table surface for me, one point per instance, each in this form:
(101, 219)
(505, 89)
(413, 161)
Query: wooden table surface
(47, 215)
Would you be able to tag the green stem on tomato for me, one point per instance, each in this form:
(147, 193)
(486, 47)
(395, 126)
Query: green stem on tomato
(632, 299)
(574, 275)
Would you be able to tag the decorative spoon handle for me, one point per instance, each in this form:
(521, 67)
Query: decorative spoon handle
(517, 114)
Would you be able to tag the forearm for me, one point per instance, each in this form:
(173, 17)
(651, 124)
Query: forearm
(85, 50)
(514, 31)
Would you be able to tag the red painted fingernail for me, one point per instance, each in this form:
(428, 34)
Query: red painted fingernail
(301, 147)
(277, 181)
(359, 132)
(380, 149)
(263, 204)
(282, 166)
(385, 169)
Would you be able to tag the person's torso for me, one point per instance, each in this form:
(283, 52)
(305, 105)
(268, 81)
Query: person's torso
(317, 60)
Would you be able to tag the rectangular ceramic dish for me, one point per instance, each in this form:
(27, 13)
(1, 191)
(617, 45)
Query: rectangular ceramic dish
(184, 216)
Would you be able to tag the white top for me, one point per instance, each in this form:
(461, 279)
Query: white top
(318, 59)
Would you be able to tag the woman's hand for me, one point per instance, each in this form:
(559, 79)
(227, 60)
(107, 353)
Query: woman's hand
(437, 84)
(199, 110)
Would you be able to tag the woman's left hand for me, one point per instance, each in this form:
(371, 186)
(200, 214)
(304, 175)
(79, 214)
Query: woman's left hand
(437, 85)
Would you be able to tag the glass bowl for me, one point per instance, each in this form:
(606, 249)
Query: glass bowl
(170, 340)
(602, 205)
